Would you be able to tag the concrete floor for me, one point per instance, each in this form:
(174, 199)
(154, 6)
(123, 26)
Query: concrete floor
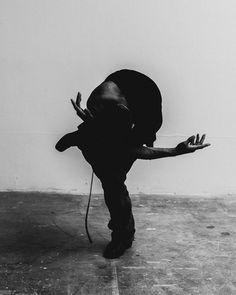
(183, 246)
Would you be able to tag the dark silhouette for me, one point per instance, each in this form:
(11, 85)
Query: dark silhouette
(120, 123)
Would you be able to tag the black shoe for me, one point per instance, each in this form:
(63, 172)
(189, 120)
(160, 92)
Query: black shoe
(116, 248)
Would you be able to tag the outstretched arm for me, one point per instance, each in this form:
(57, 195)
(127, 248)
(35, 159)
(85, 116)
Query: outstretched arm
(189, 146)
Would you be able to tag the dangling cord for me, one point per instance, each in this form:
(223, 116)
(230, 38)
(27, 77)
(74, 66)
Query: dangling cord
(87, 211)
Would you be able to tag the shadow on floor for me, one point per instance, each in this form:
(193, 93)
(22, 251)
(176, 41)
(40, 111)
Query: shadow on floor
(183, 246)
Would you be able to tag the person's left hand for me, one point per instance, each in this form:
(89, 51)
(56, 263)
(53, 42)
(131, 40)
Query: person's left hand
(192, 144)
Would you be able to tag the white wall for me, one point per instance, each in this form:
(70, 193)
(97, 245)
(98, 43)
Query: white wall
(50, 49)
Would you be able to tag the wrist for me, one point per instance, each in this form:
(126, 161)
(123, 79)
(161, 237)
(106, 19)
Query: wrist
(176, 152)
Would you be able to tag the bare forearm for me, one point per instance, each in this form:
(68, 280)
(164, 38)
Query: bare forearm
(150, 153)
(189, 146)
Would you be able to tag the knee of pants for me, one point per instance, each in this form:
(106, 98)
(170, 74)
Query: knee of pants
(115, 191)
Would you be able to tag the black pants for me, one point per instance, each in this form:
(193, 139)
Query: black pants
(111, 162)
(111, 167)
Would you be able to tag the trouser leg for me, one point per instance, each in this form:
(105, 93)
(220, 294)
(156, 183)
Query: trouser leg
(111, 168)
(119, 205)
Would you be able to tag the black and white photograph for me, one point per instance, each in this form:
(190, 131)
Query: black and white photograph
(118, 141)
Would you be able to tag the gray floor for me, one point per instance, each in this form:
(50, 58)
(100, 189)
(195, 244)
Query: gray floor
(183, 246)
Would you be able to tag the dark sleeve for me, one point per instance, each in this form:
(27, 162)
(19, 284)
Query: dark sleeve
(77, 138)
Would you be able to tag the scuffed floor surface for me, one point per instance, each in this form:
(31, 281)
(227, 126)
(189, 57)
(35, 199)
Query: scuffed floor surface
(183, 246)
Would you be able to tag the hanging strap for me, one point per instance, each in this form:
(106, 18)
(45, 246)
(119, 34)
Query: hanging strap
(87, 211)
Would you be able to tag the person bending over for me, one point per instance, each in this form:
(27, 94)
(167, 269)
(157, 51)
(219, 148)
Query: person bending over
(122, 117)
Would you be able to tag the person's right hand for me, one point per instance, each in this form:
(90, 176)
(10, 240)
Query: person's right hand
(83, 114)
